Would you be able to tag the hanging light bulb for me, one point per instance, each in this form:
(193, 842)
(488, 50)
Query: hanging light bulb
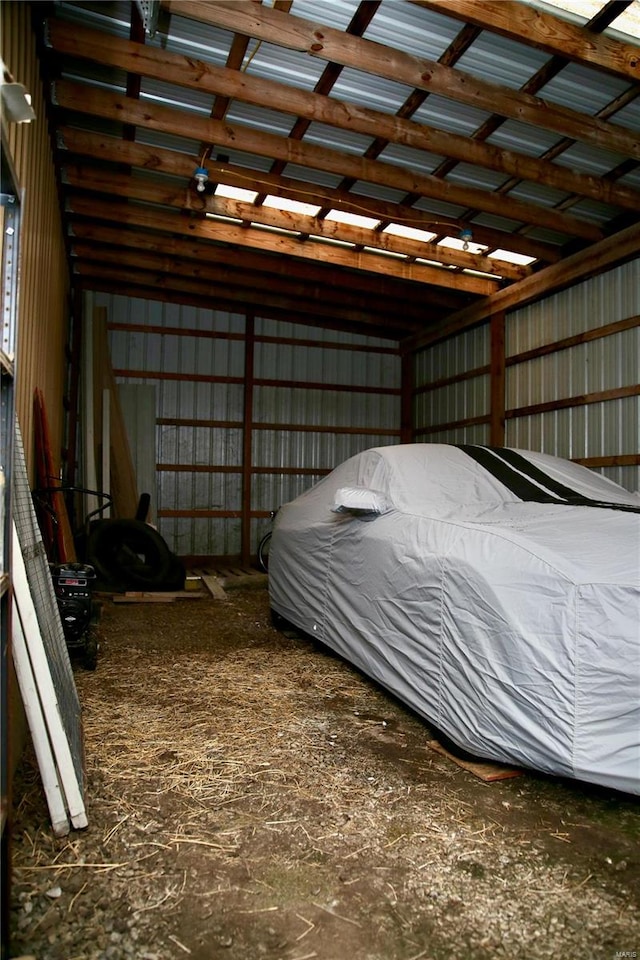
(465, 235)
(201, 177)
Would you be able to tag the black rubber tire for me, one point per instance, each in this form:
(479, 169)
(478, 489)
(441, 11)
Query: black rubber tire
(90, 653)
(129, 553)
(263, 552)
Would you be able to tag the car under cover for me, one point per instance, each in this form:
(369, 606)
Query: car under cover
(495, 592)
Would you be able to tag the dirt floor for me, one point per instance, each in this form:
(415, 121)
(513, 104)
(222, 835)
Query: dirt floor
(252, 797)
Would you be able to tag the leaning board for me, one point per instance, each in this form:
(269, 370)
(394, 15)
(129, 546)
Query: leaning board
(37, 620)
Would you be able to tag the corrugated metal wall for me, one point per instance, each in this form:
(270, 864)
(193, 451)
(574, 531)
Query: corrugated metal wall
(571, 379)
(606, 427)
(249, 412)
(44, 281)
(452, 390)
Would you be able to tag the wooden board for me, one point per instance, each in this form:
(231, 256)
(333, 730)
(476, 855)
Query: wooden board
(214, 587)
(157, 596)
(38, 729)
(45, 689)
(123, 482)
(483, 769)
(54, 521)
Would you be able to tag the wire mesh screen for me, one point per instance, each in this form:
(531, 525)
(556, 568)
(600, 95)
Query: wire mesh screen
(46, 606)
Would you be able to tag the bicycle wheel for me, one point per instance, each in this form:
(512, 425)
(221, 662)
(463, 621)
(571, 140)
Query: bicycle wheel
(263, 552)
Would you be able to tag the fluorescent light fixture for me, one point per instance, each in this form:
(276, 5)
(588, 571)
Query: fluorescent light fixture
(16, 102)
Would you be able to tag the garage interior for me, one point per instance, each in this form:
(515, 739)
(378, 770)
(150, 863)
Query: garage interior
(243, 241)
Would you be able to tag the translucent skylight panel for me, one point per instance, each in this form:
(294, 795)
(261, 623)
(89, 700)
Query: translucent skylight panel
(576, 11)
(628, 23)
(625, 27)
(292, 206)
(352, 219)
(411, 233)
(457, 243)
(511, 257)
(235, 193)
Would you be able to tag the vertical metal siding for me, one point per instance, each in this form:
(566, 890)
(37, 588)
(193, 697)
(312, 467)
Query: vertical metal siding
(462, 400)
(606, 428)
(298, 458)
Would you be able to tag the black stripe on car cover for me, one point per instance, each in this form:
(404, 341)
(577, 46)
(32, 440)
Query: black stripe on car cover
(508, 467)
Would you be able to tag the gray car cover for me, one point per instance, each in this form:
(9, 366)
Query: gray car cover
(496, 593)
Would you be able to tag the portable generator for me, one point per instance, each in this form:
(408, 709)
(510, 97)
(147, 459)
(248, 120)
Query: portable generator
(72, 587)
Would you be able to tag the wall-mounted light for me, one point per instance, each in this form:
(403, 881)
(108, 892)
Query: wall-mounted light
(466, 235)
(201, 177)
(16, 102)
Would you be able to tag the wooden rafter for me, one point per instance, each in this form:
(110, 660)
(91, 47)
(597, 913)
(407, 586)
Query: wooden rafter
(112, 106)
(538, 28)
(226, 84)
(259, 21)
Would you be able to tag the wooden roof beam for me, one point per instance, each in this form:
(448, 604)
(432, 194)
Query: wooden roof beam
(326, 43)
(386, 293)
(232, 298)
(122, 185)
(102, 147)
(316, 297)
(228, 84)
(318, 251)
(538, 28)
(579, 266)
(112, 106)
